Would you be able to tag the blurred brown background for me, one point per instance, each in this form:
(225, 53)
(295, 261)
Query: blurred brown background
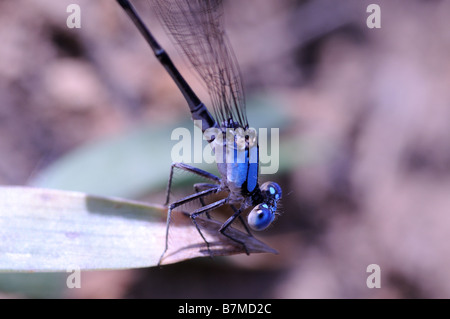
(370, 107)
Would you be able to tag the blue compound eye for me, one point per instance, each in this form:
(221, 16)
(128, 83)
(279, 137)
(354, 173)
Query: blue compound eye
(260, 217)
(272, 189)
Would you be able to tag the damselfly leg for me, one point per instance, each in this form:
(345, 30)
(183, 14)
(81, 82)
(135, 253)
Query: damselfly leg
(201, 191)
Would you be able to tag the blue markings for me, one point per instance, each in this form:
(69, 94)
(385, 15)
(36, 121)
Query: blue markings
(252, 177)
(237, 165)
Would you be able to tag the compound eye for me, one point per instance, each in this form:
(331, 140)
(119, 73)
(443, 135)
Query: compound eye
(260, 217)
(272, 190)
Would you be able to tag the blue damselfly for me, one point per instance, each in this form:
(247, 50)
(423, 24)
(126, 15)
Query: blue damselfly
(196, 28)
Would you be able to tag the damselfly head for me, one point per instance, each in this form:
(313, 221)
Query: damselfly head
(262, 215)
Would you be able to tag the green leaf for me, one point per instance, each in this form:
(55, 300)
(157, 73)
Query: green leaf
(127, 165)
(53, 230)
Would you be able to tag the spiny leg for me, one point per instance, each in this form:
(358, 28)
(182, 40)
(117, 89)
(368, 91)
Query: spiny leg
(202, 186)
(177, 204)
(237, 212)
(191, 169)
(204, 210)
(227, 224)
(242, 221)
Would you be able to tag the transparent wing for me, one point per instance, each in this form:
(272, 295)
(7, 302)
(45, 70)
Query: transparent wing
(197, 30)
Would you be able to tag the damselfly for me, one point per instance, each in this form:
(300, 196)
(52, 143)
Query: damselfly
(196, 28)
